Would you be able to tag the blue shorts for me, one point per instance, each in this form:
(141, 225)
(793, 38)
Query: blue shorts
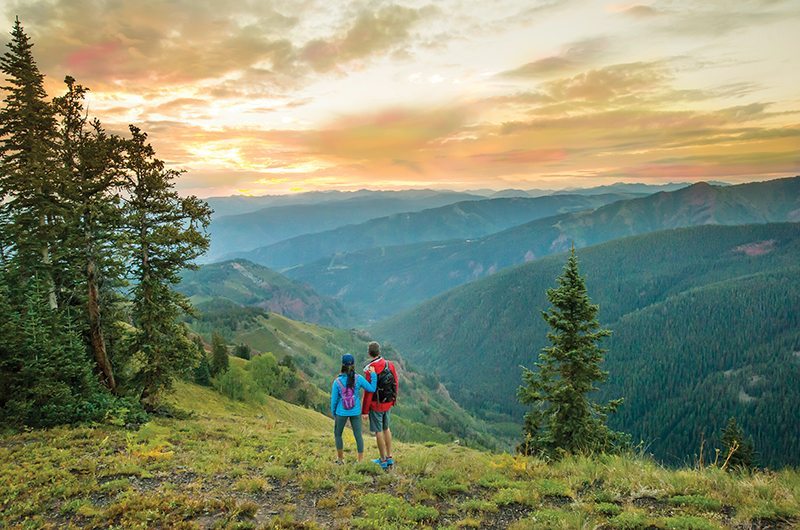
(378, 421)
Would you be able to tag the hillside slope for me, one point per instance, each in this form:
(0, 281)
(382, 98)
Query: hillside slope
(237, 233)
(460, 220)
(378, 283)
(247, 284)
(425, 410)
(236, 465)
(690, 321)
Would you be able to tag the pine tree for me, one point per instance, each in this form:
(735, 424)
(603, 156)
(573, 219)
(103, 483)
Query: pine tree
(91, 180)
(31, 212)
(562, 416)
(53, 383)
(740, 448)
(166, 233)
(219, 355)
(12, 357)
(202, 372)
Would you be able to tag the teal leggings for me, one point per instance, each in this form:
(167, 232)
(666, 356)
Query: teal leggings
(338, 429)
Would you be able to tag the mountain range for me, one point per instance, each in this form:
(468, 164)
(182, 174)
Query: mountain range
(240, 204)
(376, 283)
(246, 231)
(466, 219)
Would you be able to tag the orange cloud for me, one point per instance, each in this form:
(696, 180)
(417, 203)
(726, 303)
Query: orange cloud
(271, 96)
(387, 135)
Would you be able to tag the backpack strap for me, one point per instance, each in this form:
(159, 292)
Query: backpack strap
(339, 382)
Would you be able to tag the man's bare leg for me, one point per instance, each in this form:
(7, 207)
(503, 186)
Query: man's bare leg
(387, 443)
(379, 437)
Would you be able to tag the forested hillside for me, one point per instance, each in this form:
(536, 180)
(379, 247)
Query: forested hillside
(425, 411)
(237, 233)
(379, 283)
(706, 326)
(455, 221)
(248, 284)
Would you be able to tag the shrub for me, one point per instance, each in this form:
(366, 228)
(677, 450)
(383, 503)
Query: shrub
(235, 383)
(268, 375)
(243, 351)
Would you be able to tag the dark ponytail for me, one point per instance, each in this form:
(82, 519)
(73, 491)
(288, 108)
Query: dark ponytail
(350, 370)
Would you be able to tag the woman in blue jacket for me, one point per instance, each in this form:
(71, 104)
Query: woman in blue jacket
(346, 404)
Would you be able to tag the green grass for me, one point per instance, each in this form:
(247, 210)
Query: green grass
(239, 464)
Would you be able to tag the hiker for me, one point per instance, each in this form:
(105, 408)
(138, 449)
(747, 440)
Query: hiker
(378, 403)
(346, 404)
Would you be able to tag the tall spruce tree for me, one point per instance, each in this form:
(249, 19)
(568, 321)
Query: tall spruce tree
(563, 418)
(28, 190)
(219, 355)
(166, 233)
(202, 372)
(92, 178)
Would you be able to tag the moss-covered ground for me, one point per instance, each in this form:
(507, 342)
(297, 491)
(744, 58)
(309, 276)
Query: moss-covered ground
(270, 465)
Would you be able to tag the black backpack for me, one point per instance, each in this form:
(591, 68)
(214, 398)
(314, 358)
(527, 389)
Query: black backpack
(386, 389)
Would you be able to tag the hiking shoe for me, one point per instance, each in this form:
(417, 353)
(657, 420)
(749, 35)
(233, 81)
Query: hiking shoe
(339, 462)
(383, 463)
(390, 461)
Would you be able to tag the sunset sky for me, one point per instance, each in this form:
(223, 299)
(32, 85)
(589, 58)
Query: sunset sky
(271, 96)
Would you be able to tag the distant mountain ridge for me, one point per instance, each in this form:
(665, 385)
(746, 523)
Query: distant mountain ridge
(376, 284)
(239, 233)
(636, 187)
(247, 284)
(241, 204)
(705, 321)
(466, 219)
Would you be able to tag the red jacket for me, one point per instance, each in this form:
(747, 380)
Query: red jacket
(379, 363)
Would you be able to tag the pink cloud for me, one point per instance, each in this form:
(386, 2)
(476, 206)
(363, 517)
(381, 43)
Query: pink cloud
(83, 58)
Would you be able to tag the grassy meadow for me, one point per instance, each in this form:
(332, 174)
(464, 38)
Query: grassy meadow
(220, 463)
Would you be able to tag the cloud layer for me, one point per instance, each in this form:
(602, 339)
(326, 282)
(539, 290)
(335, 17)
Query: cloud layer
(271, 96)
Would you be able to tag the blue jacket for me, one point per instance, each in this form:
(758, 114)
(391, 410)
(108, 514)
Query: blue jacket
(337, 407)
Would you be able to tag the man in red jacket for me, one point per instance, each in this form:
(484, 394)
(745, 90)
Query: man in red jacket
(378, 405)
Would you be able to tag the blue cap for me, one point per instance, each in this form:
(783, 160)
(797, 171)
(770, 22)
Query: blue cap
(348, 359)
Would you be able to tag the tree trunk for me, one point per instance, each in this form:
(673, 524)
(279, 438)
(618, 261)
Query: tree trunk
(51, 286)
(96, 339)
